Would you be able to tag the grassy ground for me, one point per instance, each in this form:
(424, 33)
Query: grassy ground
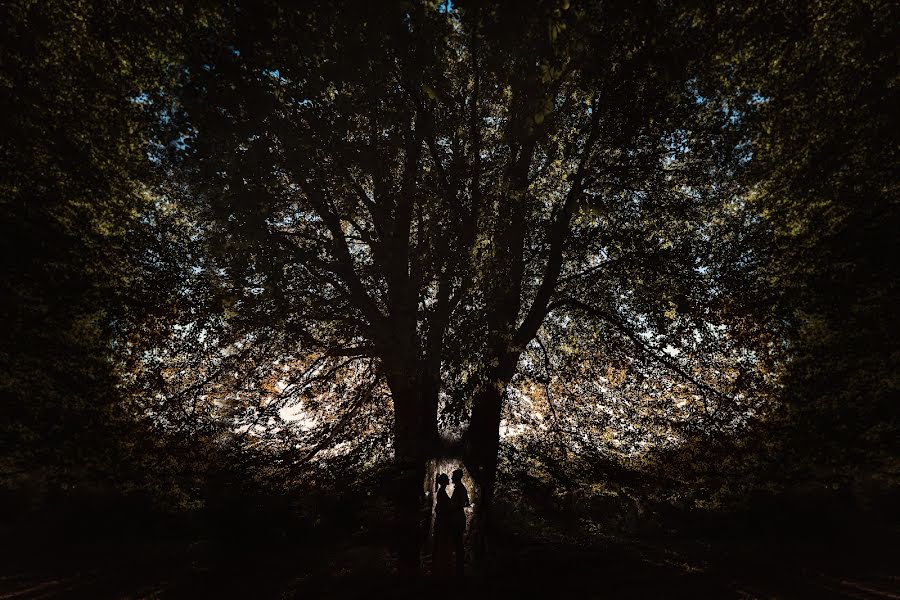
(520, 568)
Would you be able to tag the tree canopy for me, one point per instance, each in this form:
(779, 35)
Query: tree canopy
(598, 241)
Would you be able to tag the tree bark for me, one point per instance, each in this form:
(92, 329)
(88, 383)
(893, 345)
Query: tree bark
(415, 443)
(481, 445)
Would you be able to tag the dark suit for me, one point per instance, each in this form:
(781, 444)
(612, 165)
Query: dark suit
(457, 525)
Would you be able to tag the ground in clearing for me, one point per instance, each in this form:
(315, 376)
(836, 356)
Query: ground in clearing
(614, 568)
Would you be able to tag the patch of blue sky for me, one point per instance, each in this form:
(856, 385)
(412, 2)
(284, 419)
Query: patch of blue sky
(181, 142)
(273, 73)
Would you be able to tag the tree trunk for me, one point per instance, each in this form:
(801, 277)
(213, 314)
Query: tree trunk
(409, 465)
(418, 448)
(408, 502)
(415, 441)
(482, 442)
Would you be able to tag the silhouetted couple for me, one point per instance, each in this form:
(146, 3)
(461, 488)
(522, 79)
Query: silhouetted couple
(450, 524)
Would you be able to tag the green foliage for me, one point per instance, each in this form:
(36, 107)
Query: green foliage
(640, 239)
(825, 182)
(73, 199)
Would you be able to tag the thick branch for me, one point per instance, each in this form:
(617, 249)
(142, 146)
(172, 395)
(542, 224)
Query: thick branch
(617, 322)
(341, 252)
(558, 236)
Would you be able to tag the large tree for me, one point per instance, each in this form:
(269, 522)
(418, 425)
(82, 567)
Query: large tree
(425, 196)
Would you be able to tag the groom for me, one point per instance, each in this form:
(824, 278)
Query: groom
(457, 522)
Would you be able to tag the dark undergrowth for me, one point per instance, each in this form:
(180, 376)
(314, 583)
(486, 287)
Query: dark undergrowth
(530, 555)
